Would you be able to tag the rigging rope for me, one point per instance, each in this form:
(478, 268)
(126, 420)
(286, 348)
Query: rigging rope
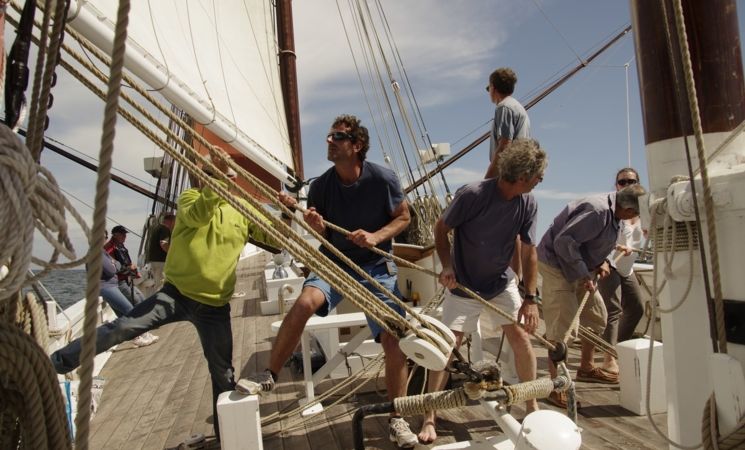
(711, 230)
(88, 341)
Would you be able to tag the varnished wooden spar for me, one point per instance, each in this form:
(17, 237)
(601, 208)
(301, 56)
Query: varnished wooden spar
(713, 38)
(288, 76)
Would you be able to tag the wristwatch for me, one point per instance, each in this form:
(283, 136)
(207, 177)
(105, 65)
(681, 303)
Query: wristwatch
(530, 297)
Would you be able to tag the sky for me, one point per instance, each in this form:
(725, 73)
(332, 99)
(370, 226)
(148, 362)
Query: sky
(449, 48)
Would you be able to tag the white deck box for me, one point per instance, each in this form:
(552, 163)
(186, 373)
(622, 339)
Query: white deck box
(633, 356)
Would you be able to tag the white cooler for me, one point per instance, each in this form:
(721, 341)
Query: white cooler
(633, 356)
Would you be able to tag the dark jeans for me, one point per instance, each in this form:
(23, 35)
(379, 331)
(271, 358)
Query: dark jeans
(167, 306)
(623, 313)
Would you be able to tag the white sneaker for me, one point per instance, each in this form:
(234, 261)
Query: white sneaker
(257, 383)
(144, 340)
(400, 433)
(151, 337)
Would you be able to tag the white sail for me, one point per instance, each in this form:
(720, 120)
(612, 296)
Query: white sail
(232, 87)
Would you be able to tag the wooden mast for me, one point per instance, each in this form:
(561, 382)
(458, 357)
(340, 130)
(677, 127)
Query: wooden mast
(714, 41)
(288, 77)
(703, 219)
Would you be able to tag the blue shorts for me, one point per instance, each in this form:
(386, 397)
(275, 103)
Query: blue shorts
(379, 272)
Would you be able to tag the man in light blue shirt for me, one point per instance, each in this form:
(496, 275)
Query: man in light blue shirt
(510, 118)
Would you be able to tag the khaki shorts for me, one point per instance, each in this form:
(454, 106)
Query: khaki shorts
(561, 300)
(462, 313)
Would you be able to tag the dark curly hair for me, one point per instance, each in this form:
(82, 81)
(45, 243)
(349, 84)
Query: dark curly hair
(503, 80)
(358, 132)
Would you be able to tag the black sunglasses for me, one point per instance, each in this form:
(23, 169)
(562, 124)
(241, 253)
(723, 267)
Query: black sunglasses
(626, 181)
(339, 136)
(487, 87)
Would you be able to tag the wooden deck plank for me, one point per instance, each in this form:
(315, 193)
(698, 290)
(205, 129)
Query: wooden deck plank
(125, 387)
(183, 422)
(161, 414)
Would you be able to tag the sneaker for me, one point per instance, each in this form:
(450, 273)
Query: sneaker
(141, 341)
(400, 433)
(150, 337)
(257, 383)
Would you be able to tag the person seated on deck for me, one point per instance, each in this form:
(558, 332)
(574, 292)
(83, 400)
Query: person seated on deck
(109, 291)
(624, 313)
(128, 270)
(570, 255)
(200, 279)
(367, 198)
(484, 217)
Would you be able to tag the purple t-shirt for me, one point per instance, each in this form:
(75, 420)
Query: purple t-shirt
(365, 204)
(485, 227)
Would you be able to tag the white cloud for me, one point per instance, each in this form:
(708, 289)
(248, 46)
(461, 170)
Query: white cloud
(429, 36)
(457, 176)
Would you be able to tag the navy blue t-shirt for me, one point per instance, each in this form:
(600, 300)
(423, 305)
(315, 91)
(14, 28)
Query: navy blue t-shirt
(365, 204)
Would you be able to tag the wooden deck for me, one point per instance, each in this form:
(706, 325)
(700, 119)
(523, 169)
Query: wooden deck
(156, 397)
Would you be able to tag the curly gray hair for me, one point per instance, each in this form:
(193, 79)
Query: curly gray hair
(522, 158)
(628, 197)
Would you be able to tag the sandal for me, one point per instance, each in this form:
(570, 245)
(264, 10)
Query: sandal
(597, 375)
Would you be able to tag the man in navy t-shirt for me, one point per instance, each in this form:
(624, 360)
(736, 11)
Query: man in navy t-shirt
(485, 218)
(367, 199)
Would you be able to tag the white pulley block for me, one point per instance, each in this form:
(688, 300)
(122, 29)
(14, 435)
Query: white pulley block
(445, 331)
(424, 353)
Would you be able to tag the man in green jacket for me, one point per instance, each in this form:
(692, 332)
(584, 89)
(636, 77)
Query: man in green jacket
(200, 278)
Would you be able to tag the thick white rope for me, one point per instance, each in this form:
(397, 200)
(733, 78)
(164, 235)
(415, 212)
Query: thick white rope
(88, 342)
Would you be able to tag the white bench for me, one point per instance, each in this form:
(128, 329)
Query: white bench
(336, 321)
(317, 323)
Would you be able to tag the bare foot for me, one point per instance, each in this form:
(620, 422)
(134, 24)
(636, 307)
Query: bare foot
(427, 435)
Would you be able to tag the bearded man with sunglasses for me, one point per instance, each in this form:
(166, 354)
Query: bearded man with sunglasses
(367, 199)
(624, 313)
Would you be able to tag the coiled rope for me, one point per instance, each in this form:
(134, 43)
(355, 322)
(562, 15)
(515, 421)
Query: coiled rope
(32, 409)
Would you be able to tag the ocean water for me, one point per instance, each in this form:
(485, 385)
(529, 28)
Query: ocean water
(65, 286)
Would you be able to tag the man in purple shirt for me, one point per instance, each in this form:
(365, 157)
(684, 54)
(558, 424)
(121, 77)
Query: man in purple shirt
(486, 216)
(571, 253)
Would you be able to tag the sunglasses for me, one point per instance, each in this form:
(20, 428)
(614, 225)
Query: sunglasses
(337, 136)
(487, 88)
(626, 181)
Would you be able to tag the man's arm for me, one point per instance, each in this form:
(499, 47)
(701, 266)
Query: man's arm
(196, 207)
(164, 238)
(400, 219)
(442, 246)
(491, 171)
(529, 308)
